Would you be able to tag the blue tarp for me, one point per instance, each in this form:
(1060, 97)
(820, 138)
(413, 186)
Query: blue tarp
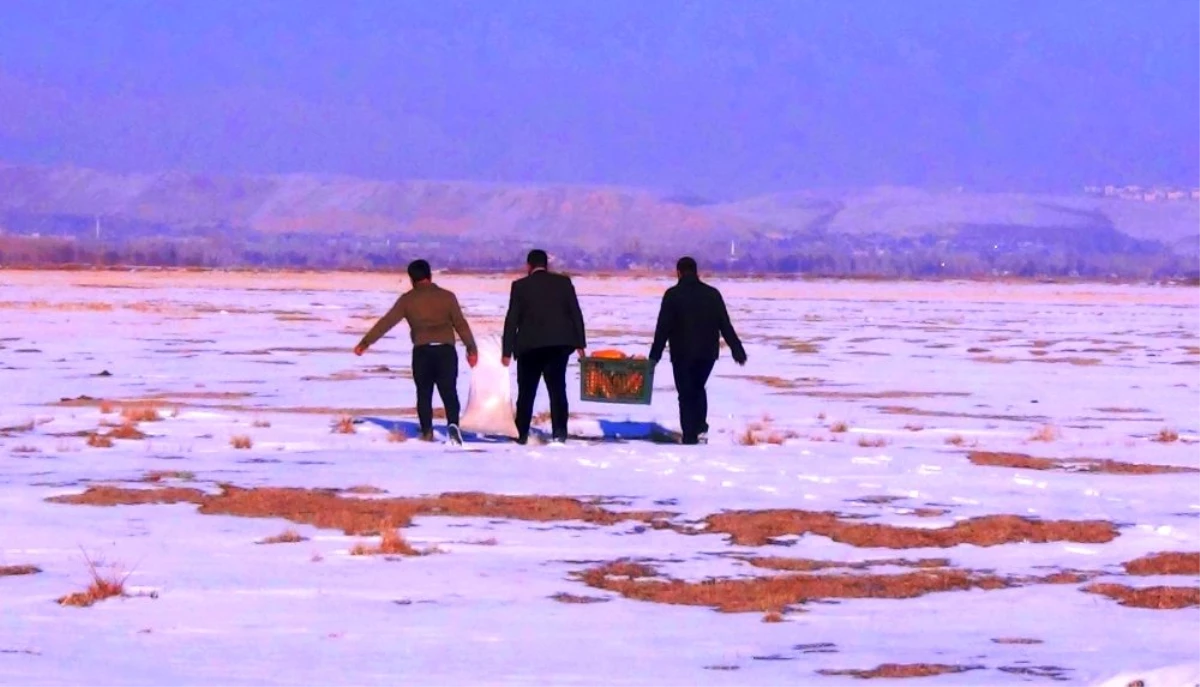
(588, 430)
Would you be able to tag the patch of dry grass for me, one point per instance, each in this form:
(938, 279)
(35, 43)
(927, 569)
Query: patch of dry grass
(14, 570)
(757, 433)
(364, 489)
(1156, 598)
(260, 424)
(344, 425)
(876, 395)
(956, 440)
(1089, 465)
(564, 597)
(391, 544)
(890, 671)
(813, 565)
(99, 441)
(127, 430)
(107, 408)
(773, 382)
(1165, 563)
(241, 441)
(759, 527)
(324, 508)
(1070, 360)
(19, 429)
(839, 427)
(919, 412)
(779, 593)
(994, 359)
(1166, 436)
(288, 536)
(1046, 433)
(801, 346)
(141, 413)
(25, 449)
(103, 586)
(157, 476)
(873, 442)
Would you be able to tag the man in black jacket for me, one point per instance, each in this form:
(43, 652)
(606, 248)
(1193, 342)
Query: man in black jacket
(691, 320)
(543, 326)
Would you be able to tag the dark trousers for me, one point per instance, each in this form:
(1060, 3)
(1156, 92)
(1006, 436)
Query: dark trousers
(435, 366)
(548, 363)
(691, 376)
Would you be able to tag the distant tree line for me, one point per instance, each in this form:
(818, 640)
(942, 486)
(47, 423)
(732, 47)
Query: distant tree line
(969, 255)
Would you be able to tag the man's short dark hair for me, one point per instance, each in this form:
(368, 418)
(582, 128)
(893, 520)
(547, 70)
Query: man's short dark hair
(537, 258)
(419, 270)
(687, 265)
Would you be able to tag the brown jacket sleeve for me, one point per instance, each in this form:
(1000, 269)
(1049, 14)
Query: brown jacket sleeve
(461, 326)
(385, 324)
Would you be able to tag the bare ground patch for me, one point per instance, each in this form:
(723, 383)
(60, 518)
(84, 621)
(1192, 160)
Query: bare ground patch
(1088, 465)
(758, 528)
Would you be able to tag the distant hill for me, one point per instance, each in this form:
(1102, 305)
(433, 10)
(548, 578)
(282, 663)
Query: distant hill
(857, 231)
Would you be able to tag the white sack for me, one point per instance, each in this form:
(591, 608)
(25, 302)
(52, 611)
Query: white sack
(490, 406)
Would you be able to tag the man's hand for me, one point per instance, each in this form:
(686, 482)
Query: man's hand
(472, 359)
(505, 361)
(360, 349)
(740, 360)
(581, 352)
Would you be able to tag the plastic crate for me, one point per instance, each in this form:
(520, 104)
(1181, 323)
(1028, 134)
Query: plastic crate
(616, 380)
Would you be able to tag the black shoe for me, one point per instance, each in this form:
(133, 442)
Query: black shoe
(558, 439)
(522, 440)
(427, 436)
(690, 441)
(453, 435)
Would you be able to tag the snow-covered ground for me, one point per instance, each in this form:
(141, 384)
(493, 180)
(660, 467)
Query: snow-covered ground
(919, 374)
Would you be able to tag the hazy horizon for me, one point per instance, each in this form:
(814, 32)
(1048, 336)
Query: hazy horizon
(718, 99)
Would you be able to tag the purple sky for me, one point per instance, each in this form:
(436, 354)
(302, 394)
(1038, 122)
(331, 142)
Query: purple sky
(722, 98)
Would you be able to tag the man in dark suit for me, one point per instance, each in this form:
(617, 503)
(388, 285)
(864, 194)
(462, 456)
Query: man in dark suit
(543, 326)
(692, 319)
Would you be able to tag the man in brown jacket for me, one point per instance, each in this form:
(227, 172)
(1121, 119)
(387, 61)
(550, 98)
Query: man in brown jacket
(433, 316)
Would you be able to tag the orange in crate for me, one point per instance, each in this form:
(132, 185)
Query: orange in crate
(610, 376)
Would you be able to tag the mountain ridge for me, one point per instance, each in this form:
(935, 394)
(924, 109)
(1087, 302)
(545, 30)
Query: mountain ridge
(641, 222)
